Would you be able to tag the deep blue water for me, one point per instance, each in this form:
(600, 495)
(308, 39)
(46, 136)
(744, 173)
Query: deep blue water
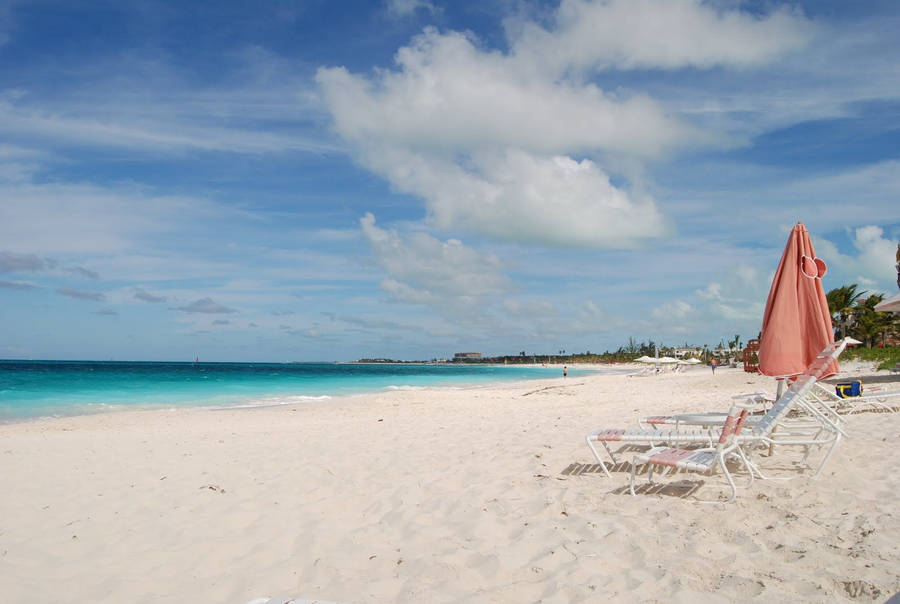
(31, 389)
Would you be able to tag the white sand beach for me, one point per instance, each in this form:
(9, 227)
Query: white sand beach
(431, 496)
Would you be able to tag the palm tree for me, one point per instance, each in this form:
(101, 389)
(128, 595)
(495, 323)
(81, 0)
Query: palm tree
(870, 323)
(841, 304)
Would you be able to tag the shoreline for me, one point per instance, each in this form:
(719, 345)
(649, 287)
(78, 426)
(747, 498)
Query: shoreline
(438, 495)
(265, 399)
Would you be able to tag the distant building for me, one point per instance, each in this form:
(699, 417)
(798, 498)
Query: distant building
(680, 353)
(466, 356)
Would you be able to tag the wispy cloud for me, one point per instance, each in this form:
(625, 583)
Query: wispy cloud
(17, 285)
(81, 295)
(82, 272)
(143, 135)
(145, 296)
(424, 270)
(10, 262)
(205, 306)
(405, 8)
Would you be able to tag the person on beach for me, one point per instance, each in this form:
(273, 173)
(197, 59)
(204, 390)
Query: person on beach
(565, 371)
(713, 364)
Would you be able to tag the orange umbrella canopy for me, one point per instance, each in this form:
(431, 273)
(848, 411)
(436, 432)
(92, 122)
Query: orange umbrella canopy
(797, 323)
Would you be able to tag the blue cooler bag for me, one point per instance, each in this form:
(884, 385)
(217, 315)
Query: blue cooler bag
(848, 389)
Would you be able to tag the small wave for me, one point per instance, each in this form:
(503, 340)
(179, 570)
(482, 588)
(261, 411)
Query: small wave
(410, 388)
(273, 401)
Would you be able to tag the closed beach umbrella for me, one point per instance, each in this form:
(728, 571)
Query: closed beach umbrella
(797, 323)
(891, 304)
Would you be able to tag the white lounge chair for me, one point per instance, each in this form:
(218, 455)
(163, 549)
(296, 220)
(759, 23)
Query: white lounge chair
(705, 461)
(823, 397)
(878, 400)
(824, 431)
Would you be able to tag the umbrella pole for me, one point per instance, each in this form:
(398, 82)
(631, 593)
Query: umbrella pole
(778, 392)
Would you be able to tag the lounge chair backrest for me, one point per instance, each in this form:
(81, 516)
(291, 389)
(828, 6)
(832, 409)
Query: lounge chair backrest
(824, 359)
(799, 388)
(737, 415)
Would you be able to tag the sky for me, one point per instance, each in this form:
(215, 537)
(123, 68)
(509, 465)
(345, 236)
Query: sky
(329, 180)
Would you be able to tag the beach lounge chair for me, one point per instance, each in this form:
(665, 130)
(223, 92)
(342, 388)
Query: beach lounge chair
(878, 400)
(706, 460)
(821, 395)
(822, 432)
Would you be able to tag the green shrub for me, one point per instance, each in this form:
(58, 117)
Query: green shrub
(886, 357)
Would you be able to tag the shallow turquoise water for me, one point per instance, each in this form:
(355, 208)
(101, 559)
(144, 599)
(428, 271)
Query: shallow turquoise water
(31, 389)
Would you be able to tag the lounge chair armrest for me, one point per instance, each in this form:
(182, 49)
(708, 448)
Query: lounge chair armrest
(752, 395)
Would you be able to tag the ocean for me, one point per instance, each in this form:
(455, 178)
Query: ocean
(35, 389)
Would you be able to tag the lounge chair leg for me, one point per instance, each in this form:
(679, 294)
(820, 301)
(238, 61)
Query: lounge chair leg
(727, 477)
(597, 455)
(837, 439)
(610, 453)
(747, 465)
(631, 485)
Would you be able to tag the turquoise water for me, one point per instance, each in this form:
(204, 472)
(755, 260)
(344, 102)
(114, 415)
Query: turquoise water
(32, 389)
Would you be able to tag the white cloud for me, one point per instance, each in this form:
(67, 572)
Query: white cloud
(665, 34)
(489, 151)
(677, 310)
(510, 145)
(424, 270)
(873, 264)
(739, 296)
(450, 95)
(517, 196)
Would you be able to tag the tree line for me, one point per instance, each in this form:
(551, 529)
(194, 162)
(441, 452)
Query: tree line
(853, 314)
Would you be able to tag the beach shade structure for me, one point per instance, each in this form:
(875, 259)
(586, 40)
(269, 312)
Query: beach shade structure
(797, 322)
(666, 360)
(891, 304)
(645, 359)
(691, 361)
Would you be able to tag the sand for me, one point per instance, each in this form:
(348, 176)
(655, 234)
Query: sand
(470, 495)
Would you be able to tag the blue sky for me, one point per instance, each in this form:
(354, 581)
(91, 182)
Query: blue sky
(332, 180)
